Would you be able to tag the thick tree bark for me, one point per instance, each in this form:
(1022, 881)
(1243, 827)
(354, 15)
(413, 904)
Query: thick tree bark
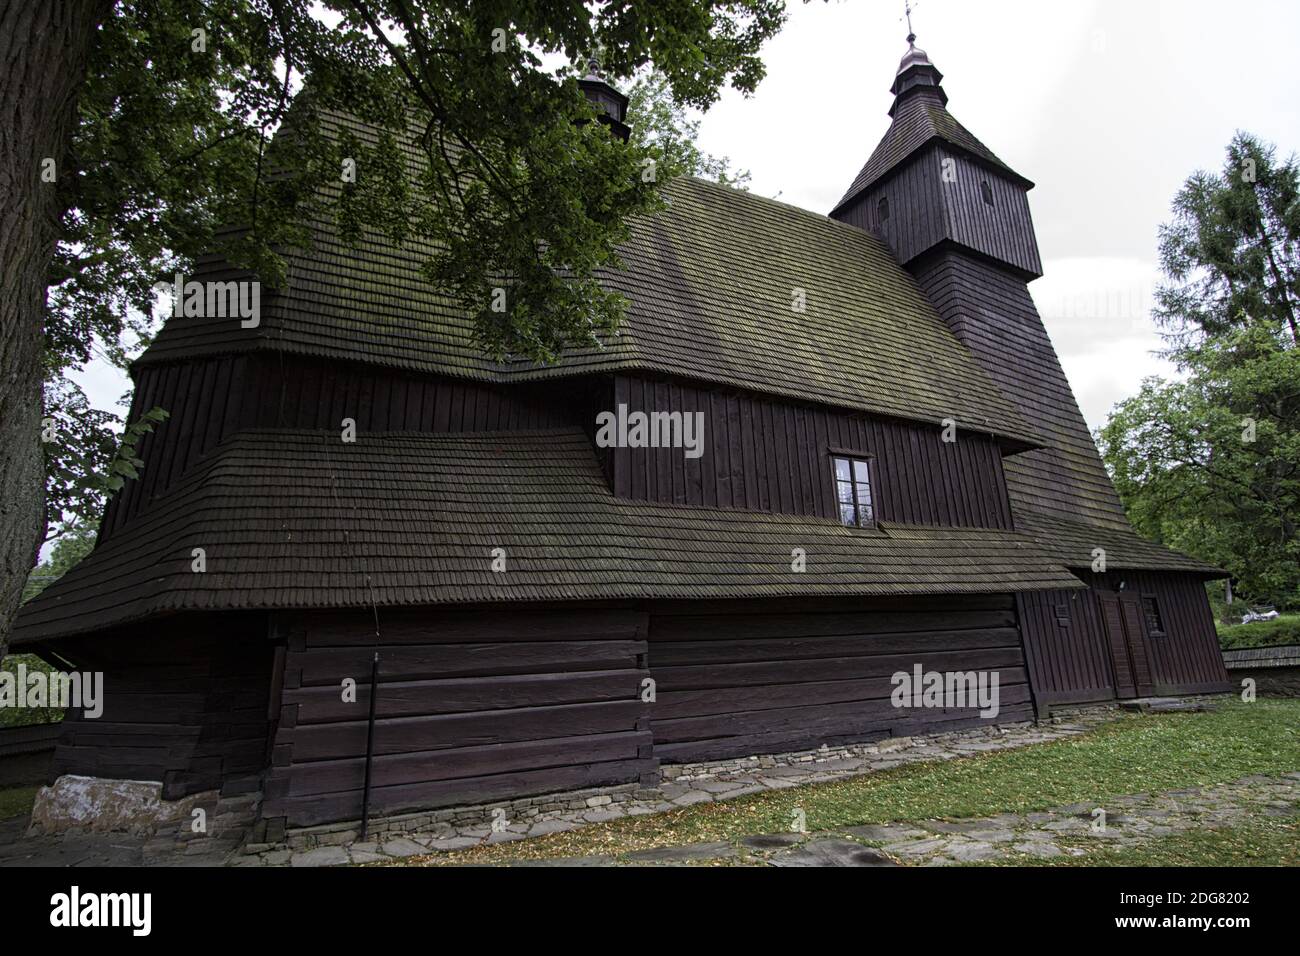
(43, 54)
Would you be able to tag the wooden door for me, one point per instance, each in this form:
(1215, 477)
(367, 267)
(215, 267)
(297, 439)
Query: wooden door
(1126, 640)
(1135, 633)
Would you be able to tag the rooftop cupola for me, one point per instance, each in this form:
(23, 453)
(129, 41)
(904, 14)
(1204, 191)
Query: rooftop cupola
(609, 102)
(916, 75)
(930, 185)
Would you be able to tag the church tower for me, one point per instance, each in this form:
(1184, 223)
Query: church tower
(957, 218)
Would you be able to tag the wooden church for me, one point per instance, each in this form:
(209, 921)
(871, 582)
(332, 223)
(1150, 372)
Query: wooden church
(895, 476)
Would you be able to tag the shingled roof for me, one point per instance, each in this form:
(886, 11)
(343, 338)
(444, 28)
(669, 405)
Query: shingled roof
(711, 282)
(291, 519)
(1072, 544)
(920, 119)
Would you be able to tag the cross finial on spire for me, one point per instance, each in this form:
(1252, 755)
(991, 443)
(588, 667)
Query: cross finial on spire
(907, 13)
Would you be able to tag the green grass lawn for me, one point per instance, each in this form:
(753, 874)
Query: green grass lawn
(1133, 754)
(16, 801)
(1283, 630)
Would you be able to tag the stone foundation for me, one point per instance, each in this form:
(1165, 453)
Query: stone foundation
(528, 815)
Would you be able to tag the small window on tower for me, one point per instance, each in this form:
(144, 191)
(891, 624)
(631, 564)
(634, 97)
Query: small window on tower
(883, 208)
(853, 491)
(1151, 611)
(986, 191)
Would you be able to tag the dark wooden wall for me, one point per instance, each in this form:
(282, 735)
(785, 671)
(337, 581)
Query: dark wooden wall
(1072, 663)
(994, 316)
(759, 455)
(210, 400)
(773, 456)
(1187, 659)
(926, 211)
(731, 683)
(185, 703)
(916, 215)
(1065, 647)
(473, 707)
(477, 706)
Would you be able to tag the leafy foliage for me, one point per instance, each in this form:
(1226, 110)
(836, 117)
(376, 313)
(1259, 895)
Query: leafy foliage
(27, 716)
(1281, 630)
(1211, 464)
(189, 142)
(126, 461)
(659, 122)
(79, 448)
(204, 126)
(1231, 252)
(75, 543)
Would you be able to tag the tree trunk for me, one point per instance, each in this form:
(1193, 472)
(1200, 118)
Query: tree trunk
(43, 54)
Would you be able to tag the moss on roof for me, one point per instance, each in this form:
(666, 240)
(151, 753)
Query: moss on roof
(292, 519)
(919, 120)
(713, 283)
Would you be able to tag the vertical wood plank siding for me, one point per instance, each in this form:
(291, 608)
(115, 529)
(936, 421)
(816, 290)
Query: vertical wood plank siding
(917, 220)
(212, 399)
(1072, 664)
(759, 455)
(1188, 658)
(1067, 663)
(770, 456)
(927, 210)
(473, 706)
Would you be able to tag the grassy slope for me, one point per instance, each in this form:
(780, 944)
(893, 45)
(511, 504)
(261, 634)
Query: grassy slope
(1134, 754)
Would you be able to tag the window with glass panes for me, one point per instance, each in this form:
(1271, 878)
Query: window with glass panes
(853, 490)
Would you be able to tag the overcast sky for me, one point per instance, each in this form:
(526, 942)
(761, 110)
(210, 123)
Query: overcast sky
(1106, 105)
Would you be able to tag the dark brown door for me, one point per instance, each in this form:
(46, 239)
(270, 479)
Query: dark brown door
(1126, 639)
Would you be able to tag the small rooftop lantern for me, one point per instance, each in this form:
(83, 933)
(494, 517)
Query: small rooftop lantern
(609, 102)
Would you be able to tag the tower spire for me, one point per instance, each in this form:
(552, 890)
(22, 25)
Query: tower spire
(915, 73)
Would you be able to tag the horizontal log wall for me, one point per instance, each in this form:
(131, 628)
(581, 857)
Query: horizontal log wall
(472, 707)
(730, 684)
(185, 704)
(771, 456)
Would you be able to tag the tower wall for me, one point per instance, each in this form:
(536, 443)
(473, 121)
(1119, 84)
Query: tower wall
(992, 313)
(940, 195)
